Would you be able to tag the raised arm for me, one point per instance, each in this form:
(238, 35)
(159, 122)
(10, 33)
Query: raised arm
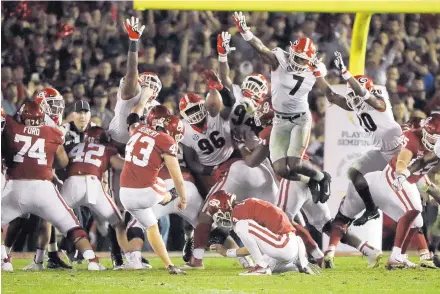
(130, 88)
(218, 90)
(138, 110)
(265, 53)
(223, 49)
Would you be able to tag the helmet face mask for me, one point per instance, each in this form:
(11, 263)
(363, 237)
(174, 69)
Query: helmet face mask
(430, 132)
(152, 81)
(223, 219)
(301, 52)
(254, 88)
(264, 114)
(353, 102)
(195, 113)
(220, 208)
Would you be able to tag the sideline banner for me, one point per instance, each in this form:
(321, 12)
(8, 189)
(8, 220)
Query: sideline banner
(345, 142)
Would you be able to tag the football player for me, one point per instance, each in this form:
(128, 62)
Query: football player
(375, 116)
(3, 122)
(265, 231)
(141, 188)
(88, 162)
(294, 195)
(31, 149)
(292, 78)
(395, 191)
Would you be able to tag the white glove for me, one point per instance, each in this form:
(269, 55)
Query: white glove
(397, 183)
(223, 46)
(240, 22)
(133, 30)
(339, 62)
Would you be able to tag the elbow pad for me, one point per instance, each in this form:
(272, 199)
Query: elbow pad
(132, 118)
(227, 97)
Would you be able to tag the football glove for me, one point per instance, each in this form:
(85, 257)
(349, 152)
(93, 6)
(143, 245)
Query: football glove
(240, 22)
(223, 40)
(339, 62)
(212, 80)
(133, 30)
(397, 183)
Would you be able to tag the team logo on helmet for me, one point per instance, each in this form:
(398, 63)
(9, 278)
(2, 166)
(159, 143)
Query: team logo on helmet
(363, 80)
(214, 203)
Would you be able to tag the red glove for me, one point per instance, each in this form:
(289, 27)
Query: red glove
(212, 80)
(223, 47)
(240, 22)
(133, 30)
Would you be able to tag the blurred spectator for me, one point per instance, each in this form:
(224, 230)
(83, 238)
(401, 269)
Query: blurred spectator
(99, 109)
(400, 113)
(10, 98)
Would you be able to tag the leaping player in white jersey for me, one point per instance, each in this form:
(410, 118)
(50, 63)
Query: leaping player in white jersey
(292, 79)
(130, 87)
(249, 95)
(375, 116)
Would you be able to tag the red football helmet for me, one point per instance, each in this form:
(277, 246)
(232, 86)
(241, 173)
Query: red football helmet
(264, 114)
(301, 52)
(254, 88)
(152, 81)
(3, 118)
(192, 108)
(52, 103)
(157, 115)
(31, 114)
(175, 127)
(220, 208)
(431, 130)
(354, 101)
(412, 123)
(96, 135)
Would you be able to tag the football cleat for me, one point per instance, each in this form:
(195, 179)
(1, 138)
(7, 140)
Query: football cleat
(395, 263)
(324, 187)
(54, 263)
(375, 258)
(117, 260)
(257, 271)
(311, 269)
(95, 266)
(329, 261)
(34, 266)
(7, 265)
(408, 263)
(367, 216)
(172, 270)
(427, 260)
(246, 262)
(437, 260)
(193, 264)
(145, 263)
(315, 190)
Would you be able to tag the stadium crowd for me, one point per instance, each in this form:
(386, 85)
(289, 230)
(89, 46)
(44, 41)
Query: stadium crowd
(81, 49)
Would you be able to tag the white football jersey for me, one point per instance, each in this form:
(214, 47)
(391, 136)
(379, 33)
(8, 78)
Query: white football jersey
(118, 129)
(214, 146)
(290, 90)
(241, 121)
(385, 130)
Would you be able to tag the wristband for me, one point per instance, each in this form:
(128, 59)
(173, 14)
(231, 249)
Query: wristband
(406, 173)
(346, 74)
(231, 253)
(247, 36)
(133, 46)
(223, 58)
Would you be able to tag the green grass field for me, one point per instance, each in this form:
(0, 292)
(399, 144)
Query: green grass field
(221, 276)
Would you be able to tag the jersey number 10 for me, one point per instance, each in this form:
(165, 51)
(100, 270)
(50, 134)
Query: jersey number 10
(367, 122)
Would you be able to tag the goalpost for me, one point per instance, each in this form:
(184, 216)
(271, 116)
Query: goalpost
(363, 9)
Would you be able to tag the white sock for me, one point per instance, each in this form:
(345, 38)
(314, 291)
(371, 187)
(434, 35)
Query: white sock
(331, 251)
(8, 249)
(53, 247)
(137, 256)
(319, 176)
(396, 252)
(317, 253)
(39, 257)
(89, 254)
(198, 253)
(4, 253)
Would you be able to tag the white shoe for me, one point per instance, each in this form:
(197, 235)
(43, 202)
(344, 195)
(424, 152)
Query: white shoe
(408, 263)
(95, 266)
(375, 258)
(257, 271)
(7, 265)
(246, 262)
(395, 262)
(34, 266)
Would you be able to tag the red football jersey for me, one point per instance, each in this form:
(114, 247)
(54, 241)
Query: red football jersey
(187, 176)
(90, 159)
(30, 151)
(264, 136)
(265, 214)
(143, 157)
(412, 141)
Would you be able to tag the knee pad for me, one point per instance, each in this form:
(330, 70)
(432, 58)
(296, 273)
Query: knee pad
(77, 234)
(342, 218)
(327, 227)
(135, 232)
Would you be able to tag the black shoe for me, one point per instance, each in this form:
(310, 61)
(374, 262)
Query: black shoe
(117, 260)
(324, 186)
(436, 260)
(172, 270)
(366, 216)
(188, 249)
(144, 260)
(315, 190)
(57, 262)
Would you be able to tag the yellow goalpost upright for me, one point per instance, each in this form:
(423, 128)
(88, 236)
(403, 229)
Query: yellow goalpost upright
(363, 9)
